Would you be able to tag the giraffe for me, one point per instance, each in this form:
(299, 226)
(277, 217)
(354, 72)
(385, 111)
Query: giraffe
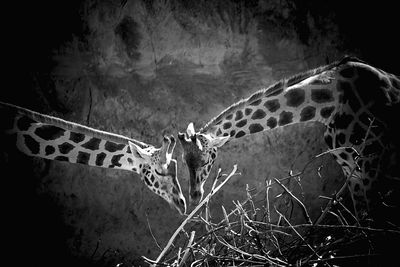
(52, 138)
(355, 102)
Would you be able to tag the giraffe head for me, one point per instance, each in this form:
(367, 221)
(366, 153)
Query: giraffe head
(157, 170)
(199, 154)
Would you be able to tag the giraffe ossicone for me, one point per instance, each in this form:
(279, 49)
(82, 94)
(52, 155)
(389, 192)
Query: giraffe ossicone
(52, 138)
(352, 99)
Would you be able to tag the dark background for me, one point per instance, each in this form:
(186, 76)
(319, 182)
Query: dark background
(161, 75)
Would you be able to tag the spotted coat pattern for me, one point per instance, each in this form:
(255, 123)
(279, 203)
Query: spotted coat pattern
(351, 98)
(51, 138)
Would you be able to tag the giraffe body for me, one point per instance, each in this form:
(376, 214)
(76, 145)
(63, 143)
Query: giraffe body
(351, 98)
(52, 138)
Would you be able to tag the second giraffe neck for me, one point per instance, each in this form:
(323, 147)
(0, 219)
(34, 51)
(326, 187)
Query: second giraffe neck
(312, 99)
(52, 138)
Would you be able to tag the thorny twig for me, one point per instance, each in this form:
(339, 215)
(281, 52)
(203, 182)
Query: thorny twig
(303, 208)
(206, 199)
(240, 238)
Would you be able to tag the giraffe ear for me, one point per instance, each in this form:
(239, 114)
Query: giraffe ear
(137, 151)
(219, 141)
(190, 130)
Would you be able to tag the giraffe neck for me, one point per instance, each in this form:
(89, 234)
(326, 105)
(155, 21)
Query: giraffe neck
(52, 138)
(311, 96)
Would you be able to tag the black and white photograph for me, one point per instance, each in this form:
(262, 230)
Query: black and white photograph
(200, 133)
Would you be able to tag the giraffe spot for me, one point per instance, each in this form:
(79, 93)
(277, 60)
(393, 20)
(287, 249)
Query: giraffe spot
(241, 123)
(128, 150)
(307, 113)
(343, 86)
(92, 144)
(61, 158)
(32, 144)
(329, 141)
(271, 122)
(344, 156)
(295, 97)
(225, 134)
(321, 95)
(49, 150)
(285, 118)
(130, 161)
(152, 178)
(337, 144)
(272, 105)
(248, 111)
(100, 159)
(76, 137)
(340, 140)
(348, 96)
(326, 112)
(258, 114)
(115, 160)
(156, 185)
(146, 180)
(209, 168)
(113, 147)
(255, 103)
(240, 134)
(219, 132)
(368, 79)
(213, 155)
(239, 115)
(358, 134)
(24, 123)
(227, 125)
(255, 127)
(347, 72)
(342, 121)
(232, 133)
(65, 148)
(83, 158)
(49, 132)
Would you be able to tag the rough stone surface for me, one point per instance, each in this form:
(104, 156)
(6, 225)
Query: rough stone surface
(148, 68)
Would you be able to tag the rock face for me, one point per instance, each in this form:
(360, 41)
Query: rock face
(148, 68)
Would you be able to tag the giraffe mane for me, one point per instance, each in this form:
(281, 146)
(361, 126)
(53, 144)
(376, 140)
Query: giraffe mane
(71, 126)
(276, 87)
